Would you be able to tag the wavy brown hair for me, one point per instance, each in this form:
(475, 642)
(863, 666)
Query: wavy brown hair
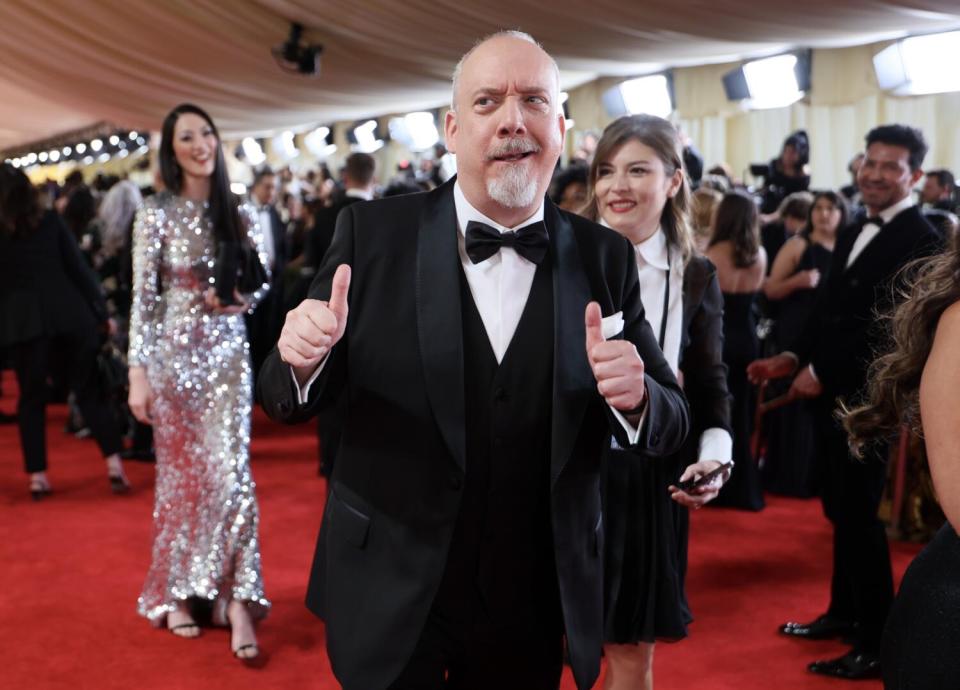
(737, 222)
(661, 136)
(893, 392)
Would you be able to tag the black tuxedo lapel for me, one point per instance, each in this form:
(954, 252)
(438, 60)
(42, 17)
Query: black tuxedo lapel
(573, 382)
(888, 246)
(439, 320)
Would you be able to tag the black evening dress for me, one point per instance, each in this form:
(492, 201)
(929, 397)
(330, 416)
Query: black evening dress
(740, 347)
(791, 463)
(920, 640)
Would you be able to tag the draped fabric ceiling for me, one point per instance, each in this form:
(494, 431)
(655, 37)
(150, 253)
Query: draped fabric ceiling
(67, 65)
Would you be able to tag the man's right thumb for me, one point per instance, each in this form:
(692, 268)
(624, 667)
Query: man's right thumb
(339, 290)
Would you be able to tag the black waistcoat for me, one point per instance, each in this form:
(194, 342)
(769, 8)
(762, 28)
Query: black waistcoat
(500, 570)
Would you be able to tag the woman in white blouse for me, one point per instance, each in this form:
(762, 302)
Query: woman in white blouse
(638, 187)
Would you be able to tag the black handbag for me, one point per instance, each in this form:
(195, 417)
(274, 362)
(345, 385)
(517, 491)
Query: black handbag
(238, 268)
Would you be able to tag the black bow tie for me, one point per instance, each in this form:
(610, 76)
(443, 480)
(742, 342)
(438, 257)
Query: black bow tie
(530, 241)
(874, 220)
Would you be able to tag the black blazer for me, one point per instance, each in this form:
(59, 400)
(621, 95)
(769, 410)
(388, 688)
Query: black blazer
(325, 222)
(701, 353)
(397, 483)
(46, 287)
(843, 334)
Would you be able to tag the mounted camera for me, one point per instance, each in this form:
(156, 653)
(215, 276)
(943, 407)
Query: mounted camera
(297, 58)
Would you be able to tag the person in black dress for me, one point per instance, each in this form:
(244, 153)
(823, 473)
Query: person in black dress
(790, 461)
(50, 301)
(637, 187)
(916, 383)
(741, 264)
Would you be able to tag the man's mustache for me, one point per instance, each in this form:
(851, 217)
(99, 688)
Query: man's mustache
(513, 147)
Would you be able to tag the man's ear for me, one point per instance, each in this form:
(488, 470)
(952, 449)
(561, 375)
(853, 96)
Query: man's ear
(450, 129)
(915, 176)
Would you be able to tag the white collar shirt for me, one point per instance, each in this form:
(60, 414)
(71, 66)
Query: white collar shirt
(500, 285)
(871, 230)
(266, 227)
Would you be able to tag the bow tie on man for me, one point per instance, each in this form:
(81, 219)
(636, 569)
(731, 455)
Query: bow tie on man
(483, 241)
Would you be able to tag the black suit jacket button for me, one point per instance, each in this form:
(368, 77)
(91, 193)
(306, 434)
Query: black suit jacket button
(654, 439)
(500, 394)
(284, 407)
(456, 483)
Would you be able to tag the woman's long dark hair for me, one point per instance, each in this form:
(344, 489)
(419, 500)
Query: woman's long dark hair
(223, 204)
(19, 202)
(893, 389)
(837, 201)
(737, 222)
(661, 136)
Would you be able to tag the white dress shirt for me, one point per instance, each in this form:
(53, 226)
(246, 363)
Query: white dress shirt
(266, 227)
(871, 230)
(652, 264)
(500, 287)
(362, 194)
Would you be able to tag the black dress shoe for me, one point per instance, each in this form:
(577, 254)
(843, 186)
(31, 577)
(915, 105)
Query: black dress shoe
(853, 665)
(823, 628)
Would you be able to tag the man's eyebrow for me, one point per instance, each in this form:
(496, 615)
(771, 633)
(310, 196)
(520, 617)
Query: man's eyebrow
(488, 91)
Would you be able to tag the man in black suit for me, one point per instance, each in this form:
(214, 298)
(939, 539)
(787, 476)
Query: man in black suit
(359, 172)
(264, 324)
(938, 191)
(462, 537)
(836, 350)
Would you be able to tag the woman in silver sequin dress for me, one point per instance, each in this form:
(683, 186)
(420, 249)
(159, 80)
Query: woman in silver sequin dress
(190, 377)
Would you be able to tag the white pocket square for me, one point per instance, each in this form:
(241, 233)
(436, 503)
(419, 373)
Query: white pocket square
(611, 325)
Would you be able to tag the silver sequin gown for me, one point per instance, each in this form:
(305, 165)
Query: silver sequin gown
(206, 542)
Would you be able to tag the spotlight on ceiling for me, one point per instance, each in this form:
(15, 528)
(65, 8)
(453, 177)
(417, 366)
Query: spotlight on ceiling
(773, 82)
(652, 95)
(915, 66)
(365, 137)
(298, 58)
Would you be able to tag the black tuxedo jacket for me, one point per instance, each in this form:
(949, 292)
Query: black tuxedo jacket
(701, 353)
(397, 482)
(325, 222)
(46, 287)
(844, 334)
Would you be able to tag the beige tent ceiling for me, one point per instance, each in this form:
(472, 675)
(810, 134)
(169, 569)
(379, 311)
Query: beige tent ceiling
(66, 64)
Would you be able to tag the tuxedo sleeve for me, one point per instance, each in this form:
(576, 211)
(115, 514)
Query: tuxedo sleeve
(278, 390)
(667, 417)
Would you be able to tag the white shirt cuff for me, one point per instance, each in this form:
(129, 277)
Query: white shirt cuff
(304, 392)
(716, 444)
(632, 433)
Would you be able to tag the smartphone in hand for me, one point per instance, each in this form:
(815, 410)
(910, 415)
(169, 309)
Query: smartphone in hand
(689, 485)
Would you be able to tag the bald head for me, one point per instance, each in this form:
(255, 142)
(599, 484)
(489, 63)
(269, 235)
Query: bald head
(489, 43)
(506, 126)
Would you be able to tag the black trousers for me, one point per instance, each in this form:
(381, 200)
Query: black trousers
(30, 362)
(861, 588)
(449, 657)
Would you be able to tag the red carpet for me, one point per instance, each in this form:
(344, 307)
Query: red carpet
(71, 568)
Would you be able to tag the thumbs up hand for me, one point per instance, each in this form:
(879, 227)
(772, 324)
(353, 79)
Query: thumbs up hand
(314, 327)
(616, 365)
